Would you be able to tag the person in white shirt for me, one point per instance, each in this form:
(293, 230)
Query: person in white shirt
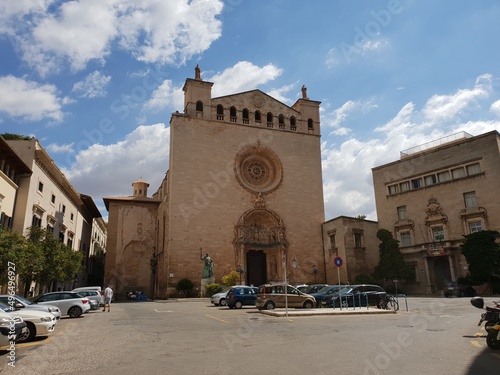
(108, 296)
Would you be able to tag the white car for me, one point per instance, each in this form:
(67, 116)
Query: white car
(11, 327)
(219, 299)
(69, 303)
(39, 323)
(19, 302)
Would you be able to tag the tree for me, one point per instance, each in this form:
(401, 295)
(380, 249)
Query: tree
(483, 255)
(11, 136)
(391, 264)
(360, 217)
(12, 245)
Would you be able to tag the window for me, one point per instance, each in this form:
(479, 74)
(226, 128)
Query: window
(475, 226)
(416, 183)
(310, 124)
(63, 209)
(393, 189)
(444, 176)
(293, 124)
(220, 112)
(232, 114)
(333, 244)
(40, 186)
(405, 238)
(281, 121)
(402, 213)
(61, 236)
(70, 241)
(358, 240)
(71, 217)
(53, 199)
(50, 228)
(257, 116)
(438, 233)
(404, 186)
(246, 117)
(458, 173)
(473, 169)
(430, 180)
(269, 120)
(470, 199)
(36, 221)
(199, 106)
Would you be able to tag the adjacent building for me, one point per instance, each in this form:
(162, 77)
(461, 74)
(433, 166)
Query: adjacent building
(434, 195)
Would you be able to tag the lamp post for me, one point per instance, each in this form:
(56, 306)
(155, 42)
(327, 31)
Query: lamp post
(240, 270)
(315, 271)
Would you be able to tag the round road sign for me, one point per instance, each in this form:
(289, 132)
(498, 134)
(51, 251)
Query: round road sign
(338, 261)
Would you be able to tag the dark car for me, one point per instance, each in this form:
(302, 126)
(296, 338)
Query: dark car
(356, 295)
(326, 291)
(240, 296)
(313, 288)
(455, 289)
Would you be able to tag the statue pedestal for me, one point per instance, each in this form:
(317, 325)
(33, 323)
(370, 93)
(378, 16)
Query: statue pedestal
(204, 283)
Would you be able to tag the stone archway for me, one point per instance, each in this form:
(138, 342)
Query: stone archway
(261, 230)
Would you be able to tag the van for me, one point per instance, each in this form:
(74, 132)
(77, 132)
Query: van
(271, 296)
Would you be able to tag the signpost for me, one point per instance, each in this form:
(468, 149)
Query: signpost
(286, 284)
(338, 263)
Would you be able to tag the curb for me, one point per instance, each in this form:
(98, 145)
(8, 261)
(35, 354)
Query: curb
(323, 313)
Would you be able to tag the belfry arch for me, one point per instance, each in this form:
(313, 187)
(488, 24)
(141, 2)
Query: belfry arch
(260, 244)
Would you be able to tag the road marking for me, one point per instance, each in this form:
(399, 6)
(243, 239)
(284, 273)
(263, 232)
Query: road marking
(159, 311)
(34, 343)
(220, 320)
(476, 343)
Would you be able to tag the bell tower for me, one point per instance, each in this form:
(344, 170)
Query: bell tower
(197, 96)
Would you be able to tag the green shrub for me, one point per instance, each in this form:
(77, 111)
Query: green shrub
(232, 278)
(212, 289)
(185, 286)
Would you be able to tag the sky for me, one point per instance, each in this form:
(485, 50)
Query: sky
(96, 81)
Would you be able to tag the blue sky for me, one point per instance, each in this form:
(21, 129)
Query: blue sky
(96, 81)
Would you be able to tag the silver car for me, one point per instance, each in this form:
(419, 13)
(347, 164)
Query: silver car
(19, 302)
(69, 303)
(220, 298)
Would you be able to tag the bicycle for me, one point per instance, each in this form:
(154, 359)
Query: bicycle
(389, 303)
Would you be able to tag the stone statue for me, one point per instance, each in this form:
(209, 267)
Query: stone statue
(197, 72)
(304, 91)
(208, 269)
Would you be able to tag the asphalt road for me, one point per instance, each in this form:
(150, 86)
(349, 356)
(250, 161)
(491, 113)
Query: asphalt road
(436, 336)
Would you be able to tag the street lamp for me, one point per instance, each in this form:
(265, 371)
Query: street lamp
(240, 270)
(315, 271)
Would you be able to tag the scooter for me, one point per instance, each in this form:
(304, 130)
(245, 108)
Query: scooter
(492, 319)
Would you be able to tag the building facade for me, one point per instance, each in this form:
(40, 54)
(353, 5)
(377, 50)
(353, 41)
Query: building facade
(244, 185)
(355, 242)
(435, 194)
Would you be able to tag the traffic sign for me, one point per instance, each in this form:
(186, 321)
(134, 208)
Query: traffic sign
(338, 262)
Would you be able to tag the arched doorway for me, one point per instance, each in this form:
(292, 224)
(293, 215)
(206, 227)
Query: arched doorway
(259, 244)
(442, 273)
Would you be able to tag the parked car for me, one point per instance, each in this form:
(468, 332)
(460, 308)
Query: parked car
(314, 288)
(356, 294)
(19, 302)
(238, 296)
(326, 291)
(11, 328)
(69, 303)
(272, 296)
(455, 289)
(219, 299)
(39, 323)
(302, 287)
(98, 288)
(94, 297)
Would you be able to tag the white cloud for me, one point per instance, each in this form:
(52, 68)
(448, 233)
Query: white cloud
(495, 107)
(243, 76)
(162, 97)
(29, 100)
(278, 93)
(93, 86)
(143, 153)
(73, 33)
(55, 148)
(444, 107)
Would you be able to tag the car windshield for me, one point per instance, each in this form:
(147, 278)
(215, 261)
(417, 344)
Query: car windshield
(4, 307)
(24, 300)
(324, 289)
(346, 290)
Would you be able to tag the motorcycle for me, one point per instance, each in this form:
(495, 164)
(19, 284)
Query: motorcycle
(492, 319)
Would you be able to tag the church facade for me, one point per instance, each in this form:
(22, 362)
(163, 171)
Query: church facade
(244, 186)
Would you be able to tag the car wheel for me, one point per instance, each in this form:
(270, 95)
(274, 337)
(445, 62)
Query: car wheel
(223, 302)
(269, 306)
(216, 304)
(238, 304)
(75, 312)
(29, 334)
(308, 305)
